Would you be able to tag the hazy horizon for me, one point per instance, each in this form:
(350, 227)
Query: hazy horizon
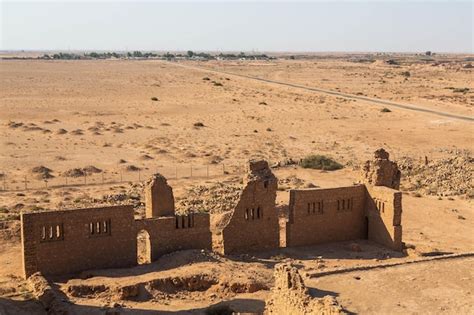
(305, 27)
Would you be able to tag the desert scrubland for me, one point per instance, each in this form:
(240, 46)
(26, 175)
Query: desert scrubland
(94, 121)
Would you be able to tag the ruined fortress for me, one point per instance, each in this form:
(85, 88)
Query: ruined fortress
(71, 241)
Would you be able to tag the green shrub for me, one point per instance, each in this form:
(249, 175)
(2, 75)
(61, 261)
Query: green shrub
(320, 162)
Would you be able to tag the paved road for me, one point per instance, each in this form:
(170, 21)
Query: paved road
(340, 94)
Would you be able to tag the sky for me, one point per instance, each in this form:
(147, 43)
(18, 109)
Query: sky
(346, 26)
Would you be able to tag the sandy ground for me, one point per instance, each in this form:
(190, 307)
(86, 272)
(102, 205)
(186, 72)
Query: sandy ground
(107, 114)
(443, 286)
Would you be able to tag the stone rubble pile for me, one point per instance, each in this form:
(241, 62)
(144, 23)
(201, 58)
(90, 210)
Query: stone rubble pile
(216, 198)
(449, 176)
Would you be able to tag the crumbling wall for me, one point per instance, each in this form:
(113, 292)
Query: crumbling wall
(291, 296)
(173, 233)
(326, 215)
(384, 213)
(253, 224)
(70, 241)
(158, 197)
(381, 171)
(52, 300)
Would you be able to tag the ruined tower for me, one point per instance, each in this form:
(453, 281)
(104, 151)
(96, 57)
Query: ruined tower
(381, 171)
(253, 224)
(159, 197)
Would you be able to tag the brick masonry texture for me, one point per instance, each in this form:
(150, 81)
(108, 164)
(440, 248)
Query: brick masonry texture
(71, 241)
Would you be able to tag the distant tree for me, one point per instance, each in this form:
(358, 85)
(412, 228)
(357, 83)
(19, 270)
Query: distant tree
(190, 53)
(428, 53)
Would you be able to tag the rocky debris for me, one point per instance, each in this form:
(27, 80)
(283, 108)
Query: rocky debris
(285, 162)
(449, 176)
(217, 198)
(10, 230)
(50, 298)
(293, 182)
(381, 171)
(83, 290)
(42, 172)
(291, 296)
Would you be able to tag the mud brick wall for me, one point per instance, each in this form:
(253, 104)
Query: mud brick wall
(159, 199)
(173, 233)
(384, 212)
(64, 242)
(254, 223)
(326, 215)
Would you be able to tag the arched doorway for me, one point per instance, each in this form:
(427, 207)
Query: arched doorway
(143, 248)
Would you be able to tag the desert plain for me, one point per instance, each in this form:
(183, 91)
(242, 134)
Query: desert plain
(81, 133)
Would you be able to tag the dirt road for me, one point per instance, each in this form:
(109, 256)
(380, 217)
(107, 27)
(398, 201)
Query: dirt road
(335, 93)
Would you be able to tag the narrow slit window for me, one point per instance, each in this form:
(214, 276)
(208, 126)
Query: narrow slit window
(258, 212)
(91, 228)
(383, 206)
(183, 225)
(338, 205)
(43, 233)
(176, 219)
(105, 227)
(246, 214)
(309, 208)
(252, 213)
(343, 204)
(58, 231)
(97, 226)
(50, 232)
(189, 220)
(314, 207)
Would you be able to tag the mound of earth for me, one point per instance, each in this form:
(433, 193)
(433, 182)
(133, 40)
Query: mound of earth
(42, 172)
(79, 172)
